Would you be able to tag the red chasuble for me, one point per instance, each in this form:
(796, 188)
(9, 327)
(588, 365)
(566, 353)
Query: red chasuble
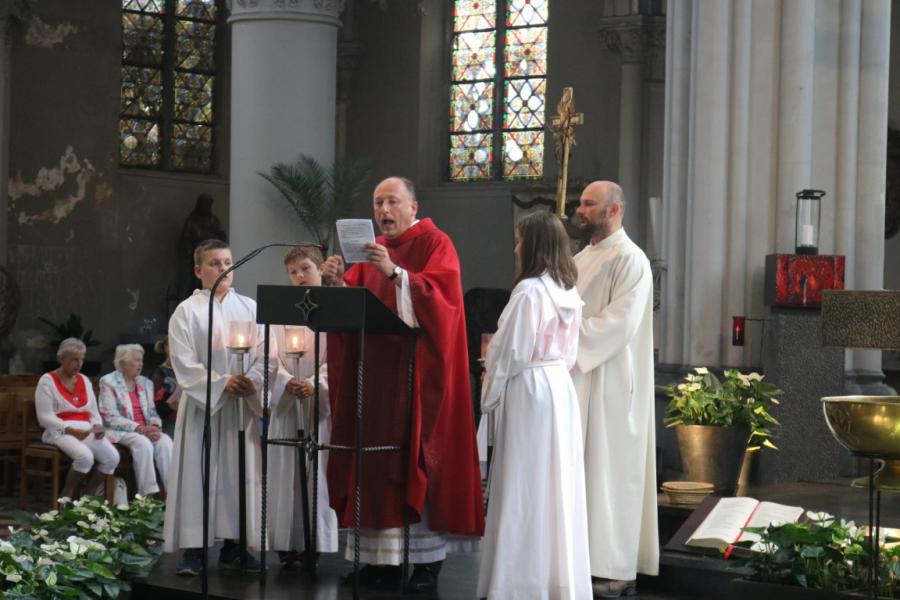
(443, 464)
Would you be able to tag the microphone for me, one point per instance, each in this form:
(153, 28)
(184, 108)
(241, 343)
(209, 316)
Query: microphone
(207, 434)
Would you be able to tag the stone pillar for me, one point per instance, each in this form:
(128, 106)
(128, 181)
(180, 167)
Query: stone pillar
(763, 99)
(283, 85)
(348, 61)
(636, 35)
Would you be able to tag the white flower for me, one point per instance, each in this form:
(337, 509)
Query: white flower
(822, 519)
(50, 548)
(702, 370)
(693, 387)
(744, 379)
(681, 387)
(82, 524)
(6, 547)
(14, 577)
(755, 377)
(44, 561)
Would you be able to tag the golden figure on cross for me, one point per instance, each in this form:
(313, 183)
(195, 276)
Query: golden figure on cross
(563, 126)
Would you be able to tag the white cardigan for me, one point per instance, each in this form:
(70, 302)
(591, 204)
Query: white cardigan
(48, 401)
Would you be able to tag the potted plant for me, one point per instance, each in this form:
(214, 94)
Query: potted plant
(717, 420)
(318, 195)
(821, 557)
(71, 328)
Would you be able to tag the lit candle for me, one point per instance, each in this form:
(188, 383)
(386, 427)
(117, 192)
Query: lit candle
(239, 335)
(737, 330)
(295, 339)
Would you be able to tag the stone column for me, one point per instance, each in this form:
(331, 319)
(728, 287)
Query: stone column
(634, 34)
(348, 62)
(283, 85)
(763, 99)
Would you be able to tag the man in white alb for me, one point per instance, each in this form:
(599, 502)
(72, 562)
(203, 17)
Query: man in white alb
(613, 376)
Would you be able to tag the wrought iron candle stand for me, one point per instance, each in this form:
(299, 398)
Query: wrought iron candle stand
(239, 340)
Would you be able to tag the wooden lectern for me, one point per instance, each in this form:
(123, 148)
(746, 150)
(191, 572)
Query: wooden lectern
(331, 310)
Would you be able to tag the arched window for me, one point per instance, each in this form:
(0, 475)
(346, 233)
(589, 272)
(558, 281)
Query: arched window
(168, 84)
(497, 90)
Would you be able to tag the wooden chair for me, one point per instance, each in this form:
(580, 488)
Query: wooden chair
(10, 436)
(18, 380)
(39, 460)
(46, 461)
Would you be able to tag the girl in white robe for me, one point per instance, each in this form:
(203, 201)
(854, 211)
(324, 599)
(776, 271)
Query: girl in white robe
(535, 543)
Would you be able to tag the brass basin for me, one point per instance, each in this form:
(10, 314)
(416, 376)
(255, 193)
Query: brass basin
(868, 426)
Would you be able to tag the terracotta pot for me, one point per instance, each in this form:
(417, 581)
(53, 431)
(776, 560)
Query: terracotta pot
(713, 454)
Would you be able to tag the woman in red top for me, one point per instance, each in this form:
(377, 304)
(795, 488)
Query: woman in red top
(67, 410)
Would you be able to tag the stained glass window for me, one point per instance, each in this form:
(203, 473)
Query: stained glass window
(498, 89)
(167, 109)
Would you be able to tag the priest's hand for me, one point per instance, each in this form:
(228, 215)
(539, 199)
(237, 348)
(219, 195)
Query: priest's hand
(240, 385)
(333, 270)
(378, 256)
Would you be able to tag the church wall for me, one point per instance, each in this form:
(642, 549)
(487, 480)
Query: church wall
(398, 118)
(85, 236)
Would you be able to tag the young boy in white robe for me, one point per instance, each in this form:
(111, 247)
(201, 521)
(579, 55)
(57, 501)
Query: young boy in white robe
(188, 336)
(291, 410)
(535, 541)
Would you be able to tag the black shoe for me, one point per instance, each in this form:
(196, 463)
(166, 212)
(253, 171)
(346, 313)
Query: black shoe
(424, 577)
(376, 576)
(289, 560)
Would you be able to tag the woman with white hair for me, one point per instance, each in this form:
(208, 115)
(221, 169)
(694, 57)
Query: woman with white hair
(126, 403)
(67, 410)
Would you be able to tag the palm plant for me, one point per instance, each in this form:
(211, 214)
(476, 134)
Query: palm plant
(318, 195)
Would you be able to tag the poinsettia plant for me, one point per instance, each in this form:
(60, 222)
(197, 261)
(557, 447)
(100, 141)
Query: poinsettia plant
(737, 399)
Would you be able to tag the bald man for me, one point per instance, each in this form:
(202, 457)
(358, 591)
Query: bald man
(613, 376)
(414, 270)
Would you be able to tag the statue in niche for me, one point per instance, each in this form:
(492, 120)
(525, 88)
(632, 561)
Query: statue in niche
(200, 225)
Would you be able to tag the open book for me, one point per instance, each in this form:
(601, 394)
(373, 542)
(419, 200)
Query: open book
(724, 524)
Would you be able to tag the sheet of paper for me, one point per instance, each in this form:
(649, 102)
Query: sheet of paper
(353, 234)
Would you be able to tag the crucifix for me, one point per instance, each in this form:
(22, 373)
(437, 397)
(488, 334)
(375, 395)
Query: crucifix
(563, 126)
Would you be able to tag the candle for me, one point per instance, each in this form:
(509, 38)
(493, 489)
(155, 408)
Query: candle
(737, 330)
(240, 334)
(807, 235)
(294, 339)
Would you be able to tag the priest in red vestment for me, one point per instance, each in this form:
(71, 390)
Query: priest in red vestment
(414, 270)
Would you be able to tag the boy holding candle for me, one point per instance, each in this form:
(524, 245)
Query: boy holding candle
(188, 338)
(291, 411)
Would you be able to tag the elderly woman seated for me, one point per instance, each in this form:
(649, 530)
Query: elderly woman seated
(67, 410)
(126, 404)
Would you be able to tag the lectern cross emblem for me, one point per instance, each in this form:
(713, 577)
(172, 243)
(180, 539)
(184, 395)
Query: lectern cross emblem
(306, 306)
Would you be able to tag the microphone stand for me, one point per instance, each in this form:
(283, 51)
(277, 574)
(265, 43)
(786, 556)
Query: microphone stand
(207, 428)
